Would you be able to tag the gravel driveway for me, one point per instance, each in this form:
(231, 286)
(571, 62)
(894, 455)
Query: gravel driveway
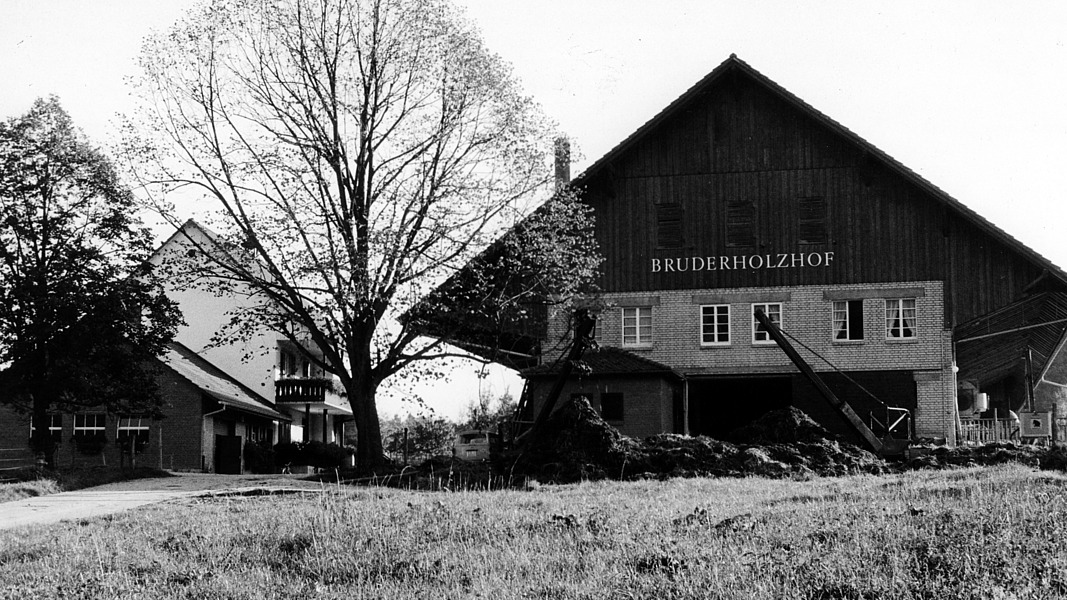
(124, 495)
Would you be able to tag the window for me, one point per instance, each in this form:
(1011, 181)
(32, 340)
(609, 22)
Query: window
(55, 427)
(848, 320)
(715, 325)
(135, 428)
(91, 424)
(637, 326)
(293, 365)
(740, 224)
(260, 433)
(900, 319)
(598, 327)
(611, 406)
(669, 226)
(773, 310)
(811, 220)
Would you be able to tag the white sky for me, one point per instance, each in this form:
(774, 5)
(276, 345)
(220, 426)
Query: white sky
(972, 95)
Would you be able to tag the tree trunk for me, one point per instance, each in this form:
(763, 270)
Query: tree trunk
(370, 454)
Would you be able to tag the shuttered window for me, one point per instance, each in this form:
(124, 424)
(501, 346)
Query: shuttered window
(740, 224)
(669, 226)
(811, 220)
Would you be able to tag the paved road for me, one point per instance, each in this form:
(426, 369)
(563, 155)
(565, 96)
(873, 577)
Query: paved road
(117, 497)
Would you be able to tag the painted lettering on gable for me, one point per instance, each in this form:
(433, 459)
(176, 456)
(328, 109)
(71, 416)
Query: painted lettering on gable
(742, 262)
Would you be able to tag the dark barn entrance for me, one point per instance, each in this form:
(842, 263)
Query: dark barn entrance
(718, 405)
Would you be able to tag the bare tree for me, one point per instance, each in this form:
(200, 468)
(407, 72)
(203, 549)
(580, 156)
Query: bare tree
(355, 152)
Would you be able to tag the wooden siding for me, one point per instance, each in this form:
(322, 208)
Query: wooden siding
(739, 141)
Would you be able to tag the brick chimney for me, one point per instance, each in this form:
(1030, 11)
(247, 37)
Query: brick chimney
(563, 162)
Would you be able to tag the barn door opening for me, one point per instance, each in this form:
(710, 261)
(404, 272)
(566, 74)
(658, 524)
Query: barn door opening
(718, 405)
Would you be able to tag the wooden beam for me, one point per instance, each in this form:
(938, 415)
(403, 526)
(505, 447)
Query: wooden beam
(841, 406)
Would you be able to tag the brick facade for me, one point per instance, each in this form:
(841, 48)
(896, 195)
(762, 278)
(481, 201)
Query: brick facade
(183, 440)
(914, 373)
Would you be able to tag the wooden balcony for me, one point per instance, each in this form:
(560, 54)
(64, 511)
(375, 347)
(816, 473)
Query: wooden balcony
(302, 391)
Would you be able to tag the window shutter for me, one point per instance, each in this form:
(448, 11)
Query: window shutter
(740, 224)
(669, 226)
(811, 220)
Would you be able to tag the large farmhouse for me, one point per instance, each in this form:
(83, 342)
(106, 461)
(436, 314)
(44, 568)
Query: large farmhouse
(739, 196)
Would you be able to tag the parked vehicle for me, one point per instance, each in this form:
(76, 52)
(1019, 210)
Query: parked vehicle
(475, 445)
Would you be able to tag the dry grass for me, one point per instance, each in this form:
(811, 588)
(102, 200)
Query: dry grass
(974, 533)
(28, 489)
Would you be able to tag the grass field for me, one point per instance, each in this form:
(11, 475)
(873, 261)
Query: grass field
(995, 532)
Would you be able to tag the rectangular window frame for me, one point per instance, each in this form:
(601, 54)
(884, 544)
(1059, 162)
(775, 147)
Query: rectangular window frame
(137, 426)
(847, 319)
(55, 427)
(719, 334)
(774, 311)
(637, 327)
(901, 319)
(90, 424)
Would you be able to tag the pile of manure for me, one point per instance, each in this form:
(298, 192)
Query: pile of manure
(576, 444)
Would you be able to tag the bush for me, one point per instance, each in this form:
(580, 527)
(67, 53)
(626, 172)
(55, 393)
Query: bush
(259, 457)
(314, 454)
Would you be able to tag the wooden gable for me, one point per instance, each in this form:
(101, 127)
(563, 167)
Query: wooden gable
(773, 193)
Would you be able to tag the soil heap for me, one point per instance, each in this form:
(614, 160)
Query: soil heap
(576, 444)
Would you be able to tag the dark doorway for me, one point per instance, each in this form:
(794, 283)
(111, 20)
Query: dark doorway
(719, 405)
(228, 454)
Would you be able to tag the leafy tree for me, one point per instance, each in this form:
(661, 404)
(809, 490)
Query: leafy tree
(489, 413)
(79, 315)
(418, 438)
(357, 152)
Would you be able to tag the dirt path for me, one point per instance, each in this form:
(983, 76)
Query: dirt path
(117, 497)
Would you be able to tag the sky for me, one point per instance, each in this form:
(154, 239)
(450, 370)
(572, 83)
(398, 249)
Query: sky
(971, 95)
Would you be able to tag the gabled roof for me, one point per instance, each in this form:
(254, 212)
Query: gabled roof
(610, 361)
(216, 383)
(733, 64)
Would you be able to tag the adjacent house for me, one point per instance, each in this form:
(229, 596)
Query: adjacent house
(216, 397)
(921, 314)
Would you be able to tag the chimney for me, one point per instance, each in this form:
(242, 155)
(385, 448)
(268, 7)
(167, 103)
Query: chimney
(563, 162)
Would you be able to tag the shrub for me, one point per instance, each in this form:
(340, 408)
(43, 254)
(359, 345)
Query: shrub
(259, 457)
(315, 454)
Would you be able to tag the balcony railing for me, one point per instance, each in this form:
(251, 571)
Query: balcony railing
(985, 431)
(301, 391)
